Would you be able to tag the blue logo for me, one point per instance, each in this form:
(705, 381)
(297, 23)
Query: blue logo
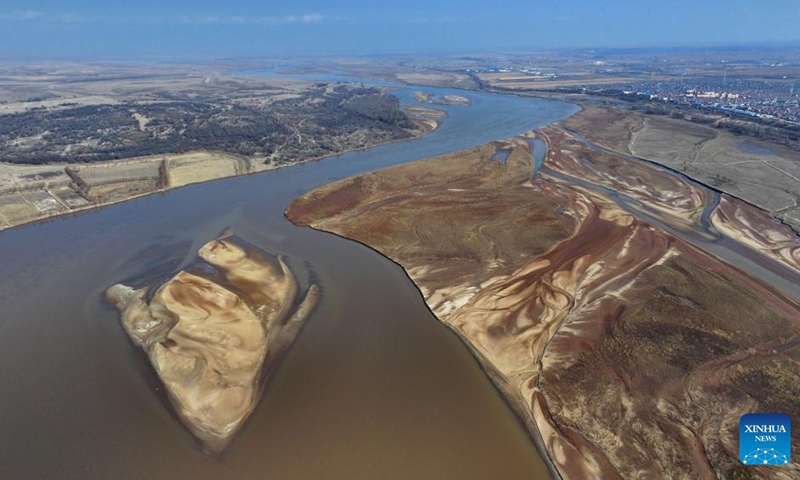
(765, 439)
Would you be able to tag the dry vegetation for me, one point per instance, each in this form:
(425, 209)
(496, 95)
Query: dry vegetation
(471, 214)
(145, 128)
(762, 173)
(318, 120)
(519, 82)
(32, 192)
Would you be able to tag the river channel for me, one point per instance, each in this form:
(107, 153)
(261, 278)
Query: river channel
(375, 387)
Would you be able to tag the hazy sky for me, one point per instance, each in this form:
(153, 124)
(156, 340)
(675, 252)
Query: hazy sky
(146, 28)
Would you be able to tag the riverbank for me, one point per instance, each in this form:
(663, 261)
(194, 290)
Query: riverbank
(373, 383)
(756, 170)
(565, 314)
(449, 180)
(34, 193)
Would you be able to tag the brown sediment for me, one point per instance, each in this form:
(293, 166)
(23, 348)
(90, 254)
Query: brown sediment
(677, 201)
(513, 320)
(765, 176)
(626, 351)
(757, 229)
(210, 336)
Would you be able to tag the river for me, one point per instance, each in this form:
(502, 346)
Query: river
(375, 386)
(702, 234)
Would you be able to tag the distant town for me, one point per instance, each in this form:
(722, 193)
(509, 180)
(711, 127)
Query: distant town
(742, 97)
(748, 82)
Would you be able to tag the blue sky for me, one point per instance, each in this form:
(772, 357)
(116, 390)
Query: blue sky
(148, 28)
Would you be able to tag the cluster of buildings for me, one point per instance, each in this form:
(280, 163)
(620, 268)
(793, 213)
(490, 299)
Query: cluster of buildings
(744, 97)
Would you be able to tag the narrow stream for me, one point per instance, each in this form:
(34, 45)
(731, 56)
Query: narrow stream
(702, 235)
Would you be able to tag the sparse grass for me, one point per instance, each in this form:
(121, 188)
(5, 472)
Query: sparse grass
(757, 171)
(460, 212)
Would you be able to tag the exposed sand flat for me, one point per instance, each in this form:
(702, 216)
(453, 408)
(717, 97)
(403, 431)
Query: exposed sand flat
(426, 124)
(761, 172)
(628, 352)
(456, 99)
(676, 200)
(210, 337)
(424, 112)
(512, 322)
(443, 100)
(758, 230)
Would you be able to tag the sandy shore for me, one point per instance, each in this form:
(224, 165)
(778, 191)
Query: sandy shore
(619, 345)
(427, 97)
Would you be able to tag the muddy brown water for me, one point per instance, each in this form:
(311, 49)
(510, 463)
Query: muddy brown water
(374, 388)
